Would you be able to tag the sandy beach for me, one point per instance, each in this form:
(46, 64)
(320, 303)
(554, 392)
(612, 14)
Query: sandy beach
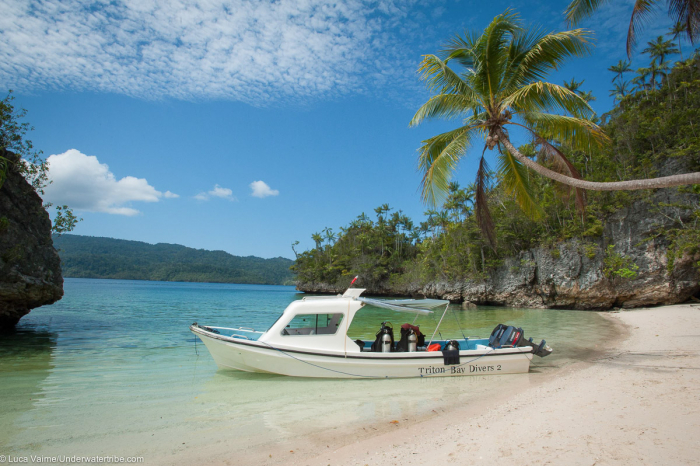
(638, 402)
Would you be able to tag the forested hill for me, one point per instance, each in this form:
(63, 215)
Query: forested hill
(95, 257)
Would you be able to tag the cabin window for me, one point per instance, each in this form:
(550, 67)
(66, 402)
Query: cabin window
(313, 324)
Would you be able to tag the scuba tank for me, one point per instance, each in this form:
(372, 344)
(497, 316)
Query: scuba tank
(412, 341)
(386, 340)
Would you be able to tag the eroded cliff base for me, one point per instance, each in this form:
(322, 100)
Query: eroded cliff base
(30, 268)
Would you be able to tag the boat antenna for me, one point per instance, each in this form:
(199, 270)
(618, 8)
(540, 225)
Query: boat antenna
(354, 280)
(459, 324)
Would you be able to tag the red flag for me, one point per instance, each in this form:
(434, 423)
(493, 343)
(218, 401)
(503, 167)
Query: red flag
(354, 280)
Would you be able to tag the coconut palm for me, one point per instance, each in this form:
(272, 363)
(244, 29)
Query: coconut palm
(659, 49)
(657, 70)
(619, 91)
(675, 33)
(686, 12)
(587, 96)
(497, 83)
(619, 69)
(573, 85)
(640, 81)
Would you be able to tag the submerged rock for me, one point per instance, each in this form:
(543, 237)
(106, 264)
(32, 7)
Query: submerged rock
(30, 269)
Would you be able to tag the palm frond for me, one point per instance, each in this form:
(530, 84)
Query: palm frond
(483, 214)
(640, 15)
(563, 165)
(438, 159)
(578, 10)
(491, 49)
(548, 54)
(514, 180)
(578, 133)
(687, 13)
(542, 96)
(445, 106)
(440, 77)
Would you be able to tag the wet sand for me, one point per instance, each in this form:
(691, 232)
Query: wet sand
(636, 403)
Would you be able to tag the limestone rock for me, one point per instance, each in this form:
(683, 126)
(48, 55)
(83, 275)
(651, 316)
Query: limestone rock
(571, 276)
(30, 269)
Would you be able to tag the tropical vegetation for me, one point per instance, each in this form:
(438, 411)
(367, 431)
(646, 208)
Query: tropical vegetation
(94, 257)
(497, 84)
(652, 130)
(30, 164)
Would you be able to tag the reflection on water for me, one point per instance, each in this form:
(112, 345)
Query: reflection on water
(113, 369)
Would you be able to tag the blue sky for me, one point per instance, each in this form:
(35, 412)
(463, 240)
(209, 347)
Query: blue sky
(242, 125)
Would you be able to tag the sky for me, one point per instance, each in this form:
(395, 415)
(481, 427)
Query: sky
(245, 126)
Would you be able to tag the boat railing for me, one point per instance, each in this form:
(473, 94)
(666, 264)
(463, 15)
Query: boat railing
(242, 329)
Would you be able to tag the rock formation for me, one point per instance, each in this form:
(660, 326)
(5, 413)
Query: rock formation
(30, 269)
(571, 276)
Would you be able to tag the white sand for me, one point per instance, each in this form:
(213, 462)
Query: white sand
(639, 404)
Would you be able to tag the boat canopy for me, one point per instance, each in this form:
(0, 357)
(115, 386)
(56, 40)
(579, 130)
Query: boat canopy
(415, 306)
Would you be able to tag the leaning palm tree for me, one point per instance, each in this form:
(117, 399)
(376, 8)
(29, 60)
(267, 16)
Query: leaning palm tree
(498, 83)
(686, 12)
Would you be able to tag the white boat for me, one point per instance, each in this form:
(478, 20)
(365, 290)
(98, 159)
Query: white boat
(310, 340)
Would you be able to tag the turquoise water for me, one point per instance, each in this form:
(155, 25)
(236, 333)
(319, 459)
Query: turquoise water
(113, 370)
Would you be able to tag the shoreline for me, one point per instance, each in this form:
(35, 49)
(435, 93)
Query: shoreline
(634, 401)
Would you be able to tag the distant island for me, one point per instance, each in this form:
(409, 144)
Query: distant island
(97, 257)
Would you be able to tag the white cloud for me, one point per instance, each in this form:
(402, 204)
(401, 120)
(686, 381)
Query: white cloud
(223, 193)
(218, 191)
(248, 50)
(261, 189)
(169, 195)
(82, 182)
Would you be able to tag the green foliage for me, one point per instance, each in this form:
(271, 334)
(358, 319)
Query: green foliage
(590, 250)
(4, 224)
(92, 257)
(648, 129)
(31, 164)
(12, 138)
(617, 265)
(494, 80)
(64, 220)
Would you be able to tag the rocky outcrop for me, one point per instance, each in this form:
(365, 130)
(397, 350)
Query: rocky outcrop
(571, 276)
(30, 269)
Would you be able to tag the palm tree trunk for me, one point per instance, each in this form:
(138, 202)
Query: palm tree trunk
(653, 183)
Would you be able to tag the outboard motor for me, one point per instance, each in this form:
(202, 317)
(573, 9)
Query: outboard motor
(509, 336)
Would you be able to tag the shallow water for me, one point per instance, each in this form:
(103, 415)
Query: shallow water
(113, 370)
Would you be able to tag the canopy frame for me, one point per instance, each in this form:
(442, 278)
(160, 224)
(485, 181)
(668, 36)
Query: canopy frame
(415, 306)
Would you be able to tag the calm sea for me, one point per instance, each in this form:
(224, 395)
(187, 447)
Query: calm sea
(112, 369)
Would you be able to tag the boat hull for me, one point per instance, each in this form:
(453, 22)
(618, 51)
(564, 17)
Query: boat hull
(256, 356)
